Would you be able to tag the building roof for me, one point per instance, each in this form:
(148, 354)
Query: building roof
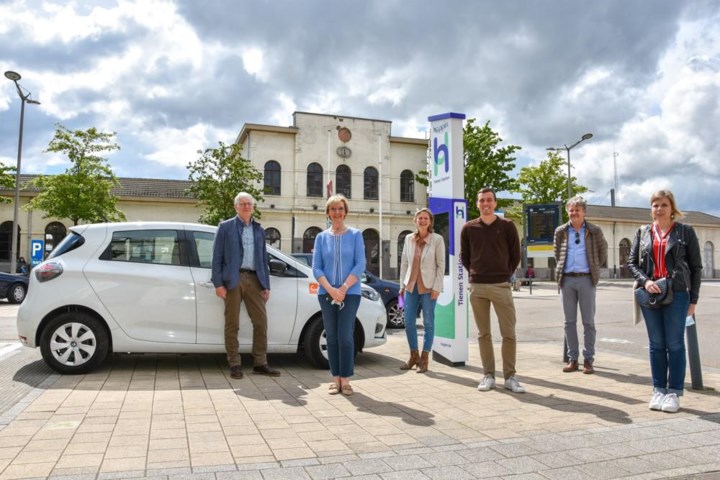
(642, 215)
(129, 187)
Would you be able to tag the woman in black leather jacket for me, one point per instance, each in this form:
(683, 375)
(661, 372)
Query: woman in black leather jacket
(667, 248)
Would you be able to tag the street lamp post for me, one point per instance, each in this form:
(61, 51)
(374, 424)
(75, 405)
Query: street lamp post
(24, 98)
(587, 136)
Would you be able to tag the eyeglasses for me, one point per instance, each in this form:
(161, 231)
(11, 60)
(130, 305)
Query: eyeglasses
(577, 238)
(244, 204)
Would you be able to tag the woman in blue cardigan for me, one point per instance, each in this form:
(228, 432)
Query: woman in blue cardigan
(338, 263)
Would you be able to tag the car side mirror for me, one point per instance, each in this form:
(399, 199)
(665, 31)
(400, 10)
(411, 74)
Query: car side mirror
(277, 267)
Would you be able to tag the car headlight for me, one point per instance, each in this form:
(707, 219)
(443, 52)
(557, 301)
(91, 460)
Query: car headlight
(370, 294)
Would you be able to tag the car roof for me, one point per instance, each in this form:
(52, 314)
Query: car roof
(115, 226)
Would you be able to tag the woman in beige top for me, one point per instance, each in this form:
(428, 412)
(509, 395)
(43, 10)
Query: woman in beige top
(422, 270)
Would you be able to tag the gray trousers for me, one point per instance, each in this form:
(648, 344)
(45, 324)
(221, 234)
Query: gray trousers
(579, 291)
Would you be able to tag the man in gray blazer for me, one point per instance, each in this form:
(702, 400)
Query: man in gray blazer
(241, 273)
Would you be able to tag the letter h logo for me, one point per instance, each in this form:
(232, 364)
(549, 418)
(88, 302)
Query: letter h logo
(441, 155)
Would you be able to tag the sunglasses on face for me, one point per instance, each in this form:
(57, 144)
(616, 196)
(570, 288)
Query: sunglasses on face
(577, 238)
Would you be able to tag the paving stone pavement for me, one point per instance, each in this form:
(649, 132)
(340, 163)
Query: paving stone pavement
(182, 417)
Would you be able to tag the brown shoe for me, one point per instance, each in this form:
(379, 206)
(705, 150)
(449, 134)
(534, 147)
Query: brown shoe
(414, 359)
(423, 364)
(571, 366)
(236, 372)
(588, 368)
(266, 370)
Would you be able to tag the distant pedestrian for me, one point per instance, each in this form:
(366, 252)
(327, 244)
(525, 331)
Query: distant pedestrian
(667, 249)
(530, 273)
(338, 264)
(580, 250)
(422, 271)
(490, 252)
(241, 273)
(22, 266)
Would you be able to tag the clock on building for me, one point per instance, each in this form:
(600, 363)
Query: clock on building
(344, 134)
(344, 152)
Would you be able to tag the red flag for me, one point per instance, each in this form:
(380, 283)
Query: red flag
(329, 188)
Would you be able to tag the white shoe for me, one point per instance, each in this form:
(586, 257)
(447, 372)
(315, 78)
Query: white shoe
(487, 383)
(657, 401)
(512, 384)
(671, 403)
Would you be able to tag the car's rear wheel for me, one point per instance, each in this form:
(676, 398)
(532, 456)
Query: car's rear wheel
(16, 293)
(74, 342)
(315, 344)
(395, 315)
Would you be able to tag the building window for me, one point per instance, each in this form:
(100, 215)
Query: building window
(57, 231)
(314, 180)
(407, 186)
(372, 251)
(343, 179)
(272, 237)
(309, 239)
(272, 178)
(371, 184)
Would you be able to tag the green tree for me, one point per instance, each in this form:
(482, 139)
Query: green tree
(7, 181)
(547, 182)
(486, 164)
(219, 175)
(83, 192)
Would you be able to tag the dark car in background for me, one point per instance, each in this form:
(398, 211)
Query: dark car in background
(13, 286)
(388, 292)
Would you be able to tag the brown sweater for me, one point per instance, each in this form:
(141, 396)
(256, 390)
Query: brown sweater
(490, 253)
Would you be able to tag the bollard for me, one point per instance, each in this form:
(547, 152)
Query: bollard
(693, 351)
(530, 285)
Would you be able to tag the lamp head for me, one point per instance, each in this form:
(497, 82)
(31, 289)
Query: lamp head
(587, 136)
(14, 76)
(34, 102)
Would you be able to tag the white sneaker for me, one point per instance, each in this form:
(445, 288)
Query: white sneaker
(512, 384)
(657, 401)
(671, 403)
(487, 383)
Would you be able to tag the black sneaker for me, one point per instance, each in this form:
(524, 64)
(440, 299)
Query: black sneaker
(236, 372)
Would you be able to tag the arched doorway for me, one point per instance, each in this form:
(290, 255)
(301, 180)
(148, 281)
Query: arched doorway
(372, 251)
(6, 241)
(708, 263)
(624, 253)
(54, 233)
(309, 239)
(272, 237)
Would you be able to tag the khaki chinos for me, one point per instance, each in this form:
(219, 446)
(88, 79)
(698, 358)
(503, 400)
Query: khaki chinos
(482, 295)
(249, 291)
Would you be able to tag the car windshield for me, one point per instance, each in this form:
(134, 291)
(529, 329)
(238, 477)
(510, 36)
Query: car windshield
(70, 242)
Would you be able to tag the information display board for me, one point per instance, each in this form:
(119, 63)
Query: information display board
(541, 222)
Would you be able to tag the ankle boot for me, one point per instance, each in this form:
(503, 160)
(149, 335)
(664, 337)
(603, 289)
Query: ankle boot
(423, 364)
(414, 359)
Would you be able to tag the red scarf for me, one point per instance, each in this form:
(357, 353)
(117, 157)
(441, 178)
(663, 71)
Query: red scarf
(659, 250)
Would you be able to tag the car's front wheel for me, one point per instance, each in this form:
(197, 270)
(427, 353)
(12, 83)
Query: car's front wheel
(16, 293)
(315, 344)
(74, 342)
(395, 315)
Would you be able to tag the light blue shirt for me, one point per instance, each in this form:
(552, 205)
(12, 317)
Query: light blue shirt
(576, 260)
(248, 261)
(337, 256)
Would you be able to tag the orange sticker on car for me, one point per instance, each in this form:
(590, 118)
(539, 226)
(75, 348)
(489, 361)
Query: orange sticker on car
(313, 288)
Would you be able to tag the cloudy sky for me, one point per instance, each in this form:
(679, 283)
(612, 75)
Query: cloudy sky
(174, 77)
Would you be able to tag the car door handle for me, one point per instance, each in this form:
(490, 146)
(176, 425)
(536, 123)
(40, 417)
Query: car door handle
(207, 284)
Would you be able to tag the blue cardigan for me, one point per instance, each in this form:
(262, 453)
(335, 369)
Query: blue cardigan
(337, 256)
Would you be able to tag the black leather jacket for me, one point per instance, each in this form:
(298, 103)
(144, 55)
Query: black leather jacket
(682, 257)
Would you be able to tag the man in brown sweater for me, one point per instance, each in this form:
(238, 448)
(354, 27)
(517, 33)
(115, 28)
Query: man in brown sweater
(490, 252)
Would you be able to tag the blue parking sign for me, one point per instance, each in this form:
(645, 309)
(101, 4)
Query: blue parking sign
(37, 251)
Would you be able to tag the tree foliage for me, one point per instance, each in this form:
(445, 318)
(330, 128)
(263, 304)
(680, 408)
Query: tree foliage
(219, 175)
(486, 164)
(547, 182)
(83, 192)
(7, 181)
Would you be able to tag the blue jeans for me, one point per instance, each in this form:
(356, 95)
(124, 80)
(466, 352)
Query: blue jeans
(666, 331)
(339, 326)
(413, 300)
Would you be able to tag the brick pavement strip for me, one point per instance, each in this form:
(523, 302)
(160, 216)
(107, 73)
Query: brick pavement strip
(175, 417)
